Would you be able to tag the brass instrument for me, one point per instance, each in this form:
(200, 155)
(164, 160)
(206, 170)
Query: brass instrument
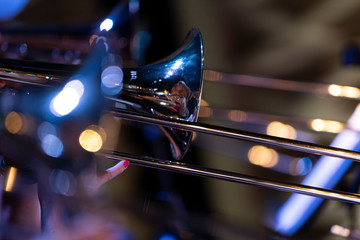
(150, 94)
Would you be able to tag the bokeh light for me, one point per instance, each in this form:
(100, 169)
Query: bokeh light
(92, 138)
(263, 156)
(344, 91)
(13, 122)
(300, 166)
(46, 128)
(112, 80)
(335, 90)
(67, 99)
(11, 179)
(52, 145)
(279, 129)
(77, 85)
(340, 231)
(23, 48)
(321, 125)
(106, 25)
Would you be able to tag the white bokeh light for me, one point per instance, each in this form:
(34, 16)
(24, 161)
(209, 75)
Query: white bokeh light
(106, 25)
(67, 99)
(76, 85)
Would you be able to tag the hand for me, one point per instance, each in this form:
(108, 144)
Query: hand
(112, 172)
(94, 181)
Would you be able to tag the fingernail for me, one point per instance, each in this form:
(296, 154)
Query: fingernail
(126, 164)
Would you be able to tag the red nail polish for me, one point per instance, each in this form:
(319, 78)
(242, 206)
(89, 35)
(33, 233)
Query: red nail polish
(126, 164)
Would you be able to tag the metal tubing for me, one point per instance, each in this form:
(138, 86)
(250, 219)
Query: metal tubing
(234, 177)
(241, 135)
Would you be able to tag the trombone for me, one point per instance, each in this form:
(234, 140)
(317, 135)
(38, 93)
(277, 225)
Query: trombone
(167, 93)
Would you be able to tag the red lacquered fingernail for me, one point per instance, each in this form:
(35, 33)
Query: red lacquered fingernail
(126, 164)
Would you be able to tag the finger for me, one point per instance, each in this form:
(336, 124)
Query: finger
(112, 172)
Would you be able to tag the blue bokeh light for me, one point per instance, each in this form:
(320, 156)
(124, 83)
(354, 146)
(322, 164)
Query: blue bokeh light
(52, 145)
(304, 166)
(46, 128)
(112, 80)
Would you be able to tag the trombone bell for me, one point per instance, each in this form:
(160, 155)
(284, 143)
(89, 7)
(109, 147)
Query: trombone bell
(169, 88)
